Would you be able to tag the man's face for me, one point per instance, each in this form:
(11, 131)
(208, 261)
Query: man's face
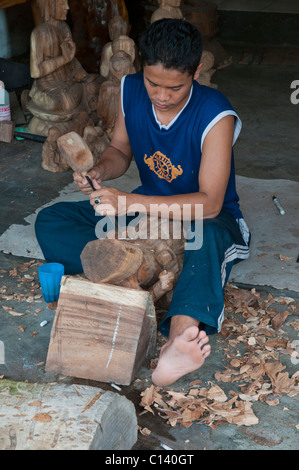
(168, 89)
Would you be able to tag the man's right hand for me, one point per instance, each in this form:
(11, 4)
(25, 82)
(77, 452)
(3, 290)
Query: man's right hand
(82, 183)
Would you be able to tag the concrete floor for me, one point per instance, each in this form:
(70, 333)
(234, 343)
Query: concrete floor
(267, 149)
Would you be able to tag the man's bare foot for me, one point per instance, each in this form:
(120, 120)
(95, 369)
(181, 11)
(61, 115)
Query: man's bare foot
(184, 354)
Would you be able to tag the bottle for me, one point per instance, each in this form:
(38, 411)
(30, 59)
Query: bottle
(4, 104)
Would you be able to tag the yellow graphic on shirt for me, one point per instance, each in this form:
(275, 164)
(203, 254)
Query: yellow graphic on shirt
(163, 167)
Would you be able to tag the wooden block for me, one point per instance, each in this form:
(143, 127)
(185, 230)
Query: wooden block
(6, 131)
(101, 332)
(64, 417)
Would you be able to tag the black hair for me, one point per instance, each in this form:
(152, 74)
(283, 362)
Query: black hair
(174, 43)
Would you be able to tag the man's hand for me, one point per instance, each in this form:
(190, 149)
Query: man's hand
(82, 183)
(68, 49)
(110, 201)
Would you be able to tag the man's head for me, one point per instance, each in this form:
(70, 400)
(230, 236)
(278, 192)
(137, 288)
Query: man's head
(175, 44)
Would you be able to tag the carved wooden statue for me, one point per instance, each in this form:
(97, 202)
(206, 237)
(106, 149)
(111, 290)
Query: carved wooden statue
(62, 89)
(120, 41)
(90, 28)
(167, 9)
(207, 70)
(120, 65)
(117, 27)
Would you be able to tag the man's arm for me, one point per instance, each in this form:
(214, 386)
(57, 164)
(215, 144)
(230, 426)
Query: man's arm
(215, 166)
(114, 161)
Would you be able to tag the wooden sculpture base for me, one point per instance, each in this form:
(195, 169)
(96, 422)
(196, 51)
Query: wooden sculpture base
(101, 332)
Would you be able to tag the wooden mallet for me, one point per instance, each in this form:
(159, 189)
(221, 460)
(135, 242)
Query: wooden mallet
(77, 154)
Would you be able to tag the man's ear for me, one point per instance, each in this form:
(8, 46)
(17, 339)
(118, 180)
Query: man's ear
(197, 72)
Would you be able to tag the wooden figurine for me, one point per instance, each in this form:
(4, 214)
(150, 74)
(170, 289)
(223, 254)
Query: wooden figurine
(107, 108)
(117, 27)
(90, 28)
(62, 89)
(207, 59)
(167, 9)
(126, 44)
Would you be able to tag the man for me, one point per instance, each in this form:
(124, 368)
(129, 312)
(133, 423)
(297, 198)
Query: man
(181, 135)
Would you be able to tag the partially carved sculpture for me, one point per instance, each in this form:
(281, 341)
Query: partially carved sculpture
(62, 89)
(120, 65)
(153, 264)
(53, 159)
(167, 9)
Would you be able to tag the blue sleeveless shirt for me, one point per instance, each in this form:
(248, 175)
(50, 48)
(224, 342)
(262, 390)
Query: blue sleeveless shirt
(168, 157)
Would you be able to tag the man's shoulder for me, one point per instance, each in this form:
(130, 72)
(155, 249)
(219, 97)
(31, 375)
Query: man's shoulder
(134, 78)
(210, 95)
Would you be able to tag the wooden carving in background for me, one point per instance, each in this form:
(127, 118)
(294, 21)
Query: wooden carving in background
(119, 58)
(117, 26)
(90, 28)
(62, 90)
(54, 160)
(167, 9)
(120, 65)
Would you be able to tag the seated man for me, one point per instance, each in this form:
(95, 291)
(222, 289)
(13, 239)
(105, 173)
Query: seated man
(181, 135)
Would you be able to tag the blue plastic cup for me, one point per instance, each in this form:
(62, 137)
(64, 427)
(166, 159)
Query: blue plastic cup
(50, 275)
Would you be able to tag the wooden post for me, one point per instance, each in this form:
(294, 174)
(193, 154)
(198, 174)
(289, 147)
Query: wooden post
(64, 417)
(6, 131)
(101, 332)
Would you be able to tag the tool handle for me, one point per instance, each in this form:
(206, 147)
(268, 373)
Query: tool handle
(90, 183)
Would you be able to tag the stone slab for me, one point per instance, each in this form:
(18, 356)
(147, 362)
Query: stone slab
(274, 243)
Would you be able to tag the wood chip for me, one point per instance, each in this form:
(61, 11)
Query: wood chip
(42, 417)
(278, 320)
(253, 342)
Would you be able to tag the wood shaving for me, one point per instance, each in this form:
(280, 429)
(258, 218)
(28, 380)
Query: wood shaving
(254, 343)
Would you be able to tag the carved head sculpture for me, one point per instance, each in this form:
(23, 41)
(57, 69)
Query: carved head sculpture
(173, 3)
(53, 9)
(117, 26)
